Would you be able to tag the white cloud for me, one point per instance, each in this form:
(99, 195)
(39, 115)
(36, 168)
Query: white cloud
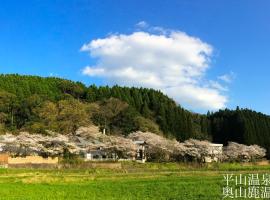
(91, 71)
(142, 24)
(228, 78)
(217, 85)
(173, 62)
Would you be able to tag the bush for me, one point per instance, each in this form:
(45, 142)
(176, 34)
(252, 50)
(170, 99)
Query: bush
(235, 152)
(69, 158)
(145, 125)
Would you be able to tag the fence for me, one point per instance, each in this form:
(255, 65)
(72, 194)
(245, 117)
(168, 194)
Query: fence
(29, 161)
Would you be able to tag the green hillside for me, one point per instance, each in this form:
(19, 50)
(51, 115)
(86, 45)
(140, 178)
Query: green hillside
(36, 103)
(39, 104)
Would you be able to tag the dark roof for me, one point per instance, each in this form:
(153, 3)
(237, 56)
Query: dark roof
(97, 152)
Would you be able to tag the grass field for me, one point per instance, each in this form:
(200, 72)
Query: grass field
(133, 181)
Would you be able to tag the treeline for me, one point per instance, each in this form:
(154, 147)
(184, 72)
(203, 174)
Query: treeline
(242, 126)
(36, 104)
(39, 104)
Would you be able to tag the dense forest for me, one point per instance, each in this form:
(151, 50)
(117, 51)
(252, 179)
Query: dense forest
(241, 125)
(37, 104)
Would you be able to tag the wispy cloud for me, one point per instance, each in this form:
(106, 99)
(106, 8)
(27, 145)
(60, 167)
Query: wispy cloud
(217, 85)
(142, 24)
(228, 78)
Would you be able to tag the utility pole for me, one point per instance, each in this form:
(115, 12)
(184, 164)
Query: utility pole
(104, 129)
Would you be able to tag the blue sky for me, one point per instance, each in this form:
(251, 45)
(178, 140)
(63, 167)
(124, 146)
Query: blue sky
(45, 38)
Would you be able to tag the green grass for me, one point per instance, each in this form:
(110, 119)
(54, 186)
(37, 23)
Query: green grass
(134, 181)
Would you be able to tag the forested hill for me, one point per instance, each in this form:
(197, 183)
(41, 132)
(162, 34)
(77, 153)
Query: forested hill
(39, 104)
(29, 102)
(241, 125)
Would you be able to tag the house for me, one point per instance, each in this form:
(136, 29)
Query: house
(95, 155)
(140, 153)
(99, 155)
(214, 153)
